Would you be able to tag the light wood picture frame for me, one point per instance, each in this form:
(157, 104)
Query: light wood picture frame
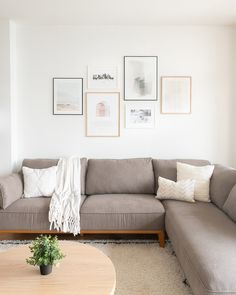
(102, 114)
(176, 95)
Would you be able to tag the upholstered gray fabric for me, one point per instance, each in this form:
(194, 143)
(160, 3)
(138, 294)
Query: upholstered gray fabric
(204, 239)
(27, 214)
(122, 212)
(134, 176)
(11, 189)
(167, 168)
(39, 163)
(230, 204)
(83, 174)
(46, 163)
(222, 181)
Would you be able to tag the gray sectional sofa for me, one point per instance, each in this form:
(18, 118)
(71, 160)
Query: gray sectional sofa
(118, 197)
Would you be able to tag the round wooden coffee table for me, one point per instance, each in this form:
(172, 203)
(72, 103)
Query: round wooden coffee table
(85, 270)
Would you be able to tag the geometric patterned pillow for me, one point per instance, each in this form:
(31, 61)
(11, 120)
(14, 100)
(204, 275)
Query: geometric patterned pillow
(182, 190)
(39, 182)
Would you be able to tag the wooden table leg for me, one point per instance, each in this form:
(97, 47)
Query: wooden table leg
(161, 236)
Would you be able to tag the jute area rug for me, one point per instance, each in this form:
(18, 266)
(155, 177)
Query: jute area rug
(142, 267)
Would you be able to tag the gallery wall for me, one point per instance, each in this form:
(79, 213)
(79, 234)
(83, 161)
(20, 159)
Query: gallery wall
(205, 53)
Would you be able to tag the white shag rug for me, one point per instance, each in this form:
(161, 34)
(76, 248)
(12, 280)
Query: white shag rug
(142, 267)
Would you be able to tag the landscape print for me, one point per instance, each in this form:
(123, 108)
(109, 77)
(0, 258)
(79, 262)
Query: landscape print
(68, 96)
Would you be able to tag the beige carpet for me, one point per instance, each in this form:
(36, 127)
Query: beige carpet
(145, 269)
(142, 268)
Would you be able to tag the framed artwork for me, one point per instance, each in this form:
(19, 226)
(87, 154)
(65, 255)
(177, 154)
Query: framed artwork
(139, 115)
(68, 96)
(103, 77)
(176, 95)
(140, 77)
(103, 114)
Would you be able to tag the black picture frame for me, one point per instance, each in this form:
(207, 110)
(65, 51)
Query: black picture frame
(155, 98)
(74, 113)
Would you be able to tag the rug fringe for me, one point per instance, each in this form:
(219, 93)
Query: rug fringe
(83, 241)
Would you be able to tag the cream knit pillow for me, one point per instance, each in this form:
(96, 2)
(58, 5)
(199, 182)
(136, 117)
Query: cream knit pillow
(182, 190)
(202, 176)
(39, 182)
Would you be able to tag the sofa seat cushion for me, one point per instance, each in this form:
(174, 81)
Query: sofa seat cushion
(27, 214)
(204, 239)
(122, 212)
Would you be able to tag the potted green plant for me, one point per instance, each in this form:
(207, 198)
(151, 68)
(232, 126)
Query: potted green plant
(46, 253)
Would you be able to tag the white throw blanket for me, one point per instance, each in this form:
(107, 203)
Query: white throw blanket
(64, 212)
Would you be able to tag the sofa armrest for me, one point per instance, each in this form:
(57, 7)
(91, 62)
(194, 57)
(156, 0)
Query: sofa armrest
(230, 204)
(11, 189)
(222, 181)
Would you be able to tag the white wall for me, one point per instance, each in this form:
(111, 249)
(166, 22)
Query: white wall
(205, 53)
(233, 110)
(6, 96)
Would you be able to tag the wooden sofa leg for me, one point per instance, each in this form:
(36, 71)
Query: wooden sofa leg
(161, 236)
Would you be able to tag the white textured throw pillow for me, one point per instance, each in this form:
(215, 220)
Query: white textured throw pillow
(202, 176)
(39, 182)
(182, 190)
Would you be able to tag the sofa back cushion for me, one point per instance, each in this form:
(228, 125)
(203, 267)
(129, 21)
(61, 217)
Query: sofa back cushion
(168, 168)
(230, 204)
(39, 163)
(46, 163)
(222, 182)
(107, 176)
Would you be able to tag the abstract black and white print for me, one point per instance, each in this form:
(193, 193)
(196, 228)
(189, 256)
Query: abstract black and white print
(103, 77)
(140, 77)
(140, 115)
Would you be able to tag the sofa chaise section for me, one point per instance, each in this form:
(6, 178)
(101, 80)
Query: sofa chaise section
(202, 235)
(204, 240)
